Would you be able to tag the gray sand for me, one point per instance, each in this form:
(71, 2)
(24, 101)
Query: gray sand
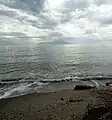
(61, 105)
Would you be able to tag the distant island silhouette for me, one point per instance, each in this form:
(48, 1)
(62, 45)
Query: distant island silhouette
(56, 42)
(73, 41)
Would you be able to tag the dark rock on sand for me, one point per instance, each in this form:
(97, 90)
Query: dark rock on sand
(108, 83)
(98, 113)
(62, 99)
(83, 87)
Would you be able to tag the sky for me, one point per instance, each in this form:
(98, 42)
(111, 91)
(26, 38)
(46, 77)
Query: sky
(75, 21)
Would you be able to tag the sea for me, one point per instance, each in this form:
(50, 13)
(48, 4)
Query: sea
(38, 52)
(41, 68)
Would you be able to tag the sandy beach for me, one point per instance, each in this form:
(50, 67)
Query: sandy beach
(61, 105)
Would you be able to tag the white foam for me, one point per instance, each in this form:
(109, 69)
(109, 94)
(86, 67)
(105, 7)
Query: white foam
(21, 89)
(96, 83)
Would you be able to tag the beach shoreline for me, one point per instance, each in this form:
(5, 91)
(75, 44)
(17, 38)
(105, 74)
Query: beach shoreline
(59, 105)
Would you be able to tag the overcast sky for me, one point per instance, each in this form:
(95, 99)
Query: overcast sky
(34, 21)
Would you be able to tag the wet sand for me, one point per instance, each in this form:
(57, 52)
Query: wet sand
(92, 104)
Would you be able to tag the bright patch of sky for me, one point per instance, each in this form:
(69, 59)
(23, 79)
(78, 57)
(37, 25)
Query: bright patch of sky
(34, 21)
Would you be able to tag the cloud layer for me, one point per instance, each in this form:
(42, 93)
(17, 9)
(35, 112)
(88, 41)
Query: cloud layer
(34, 21)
